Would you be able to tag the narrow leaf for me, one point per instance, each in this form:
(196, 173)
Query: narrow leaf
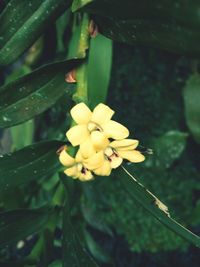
(171, 11)
(159, 34)
(170, 25)
(18, 224)
(33, 93)
(99, 68)
(152, 204)
(22, 22)
(32, 162)
(191, 95)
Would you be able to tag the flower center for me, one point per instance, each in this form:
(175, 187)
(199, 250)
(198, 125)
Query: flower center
(110, 153)
(81, 168)
(92, 126)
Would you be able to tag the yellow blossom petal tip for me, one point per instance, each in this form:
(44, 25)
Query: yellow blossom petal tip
(81, 114)
(66, 159)
(102, 114)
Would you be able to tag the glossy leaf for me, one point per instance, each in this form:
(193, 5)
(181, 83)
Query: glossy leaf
(153, 205)
(17, 73)
(18, 224)
(99, 69)
(33, 93)
(74, 254)
(185, 13)
(22, 22)
(32, 162)
(170, 25)
(191, 95)
(159, 34)
(167, 149)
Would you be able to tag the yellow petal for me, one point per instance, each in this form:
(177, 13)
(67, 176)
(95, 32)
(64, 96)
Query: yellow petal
(132, 156)
(85, 177)
(72, 172)
(115, 130)
(108, 151)
(77, 134)
(102, 114)
(99, 140)
(125, 144)
(87, 148)
(66, 159)
(95, 161)
(116, 161)
(104, 170)
(78, 156)
(81, 114)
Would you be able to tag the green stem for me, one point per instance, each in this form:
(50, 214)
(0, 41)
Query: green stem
(81, 94)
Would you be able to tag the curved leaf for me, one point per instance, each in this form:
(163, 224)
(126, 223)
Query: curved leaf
(32, 162)
(159, 34)
(170, 25)
(18, 224)
(182, 12)
(191, 95)
(152, 204)
(22, 22)
(33, 93)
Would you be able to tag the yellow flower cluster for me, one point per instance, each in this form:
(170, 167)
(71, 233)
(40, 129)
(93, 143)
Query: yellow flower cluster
(102, 143)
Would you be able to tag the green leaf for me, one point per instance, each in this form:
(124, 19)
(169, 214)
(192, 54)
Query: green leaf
(22, 22)
(61, 25)
(170, 11)
(18, 224)
(166, 149)
(153, 205)
(33, 93)
(32, 162)
(191, 95)
(170, 25)
(74, 41)
(159, 34)
(26, 130)
(99, 69)
(74, 254)
(23, 70)
(79, 3)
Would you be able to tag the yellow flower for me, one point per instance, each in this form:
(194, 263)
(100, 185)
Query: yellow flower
(116, 152)
(95, 127)
(78, 167)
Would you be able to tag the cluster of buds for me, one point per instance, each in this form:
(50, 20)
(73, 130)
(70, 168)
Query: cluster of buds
(102, 143)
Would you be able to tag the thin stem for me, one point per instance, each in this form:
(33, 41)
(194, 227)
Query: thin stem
(81, 94)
